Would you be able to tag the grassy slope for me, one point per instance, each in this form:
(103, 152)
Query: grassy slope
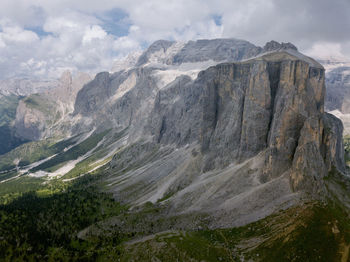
(314, 232)
(32, 152)
(8, 106)
(71, 154)
(42, 104)
(346, 141)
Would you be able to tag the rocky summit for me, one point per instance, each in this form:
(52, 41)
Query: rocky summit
(210, 134)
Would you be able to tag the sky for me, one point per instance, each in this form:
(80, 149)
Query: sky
(43, 38)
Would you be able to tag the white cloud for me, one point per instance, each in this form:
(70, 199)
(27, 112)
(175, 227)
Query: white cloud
(326, 50)
(12, 33)
(73, 35)
(93, 32)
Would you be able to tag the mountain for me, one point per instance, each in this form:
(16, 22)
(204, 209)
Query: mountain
(256, 127)
(338, 83)
(31, 109)
(44, 114)
(11, 92)
(210, 149)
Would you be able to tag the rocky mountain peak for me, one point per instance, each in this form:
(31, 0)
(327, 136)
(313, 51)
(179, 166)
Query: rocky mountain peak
(66, 78)
(159, 46)
(274, 46)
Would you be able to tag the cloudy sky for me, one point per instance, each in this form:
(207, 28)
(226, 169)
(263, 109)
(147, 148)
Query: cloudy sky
(45, 37)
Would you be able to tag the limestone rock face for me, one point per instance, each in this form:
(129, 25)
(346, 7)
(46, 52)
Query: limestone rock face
(120, 100)
(333, 148)
(274, 104)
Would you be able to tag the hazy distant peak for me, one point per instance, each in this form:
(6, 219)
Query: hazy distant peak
(66, 77)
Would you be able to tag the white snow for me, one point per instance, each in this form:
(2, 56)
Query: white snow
(169, 73)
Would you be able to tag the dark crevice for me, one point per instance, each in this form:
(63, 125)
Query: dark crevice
(294, 149)
(323, 148)
(274, 71)
(162, 129)
(242, 119)
(295, 72)
(216, 105)
(241, 126)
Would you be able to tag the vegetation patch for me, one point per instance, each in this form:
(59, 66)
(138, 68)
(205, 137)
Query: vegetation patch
(31, 152)
(71, 154)
(38, 227)
(8, 107)
(40, 103)
(346, 141)
(8, 139)
(313, 232)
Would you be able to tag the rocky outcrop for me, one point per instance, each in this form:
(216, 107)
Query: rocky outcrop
(237, 110)
(274, 46)
(45, 114)
(159, 47)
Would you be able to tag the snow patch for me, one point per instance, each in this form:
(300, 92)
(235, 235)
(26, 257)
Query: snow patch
(168, 74)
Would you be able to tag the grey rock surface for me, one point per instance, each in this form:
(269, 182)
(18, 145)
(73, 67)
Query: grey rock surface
(274, 46)
(217, 50)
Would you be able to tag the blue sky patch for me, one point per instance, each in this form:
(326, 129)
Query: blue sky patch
(115, 22)
(217, 19)
(38, 30)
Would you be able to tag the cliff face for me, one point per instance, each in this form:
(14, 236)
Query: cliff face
(240, 141)
(274, 103)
